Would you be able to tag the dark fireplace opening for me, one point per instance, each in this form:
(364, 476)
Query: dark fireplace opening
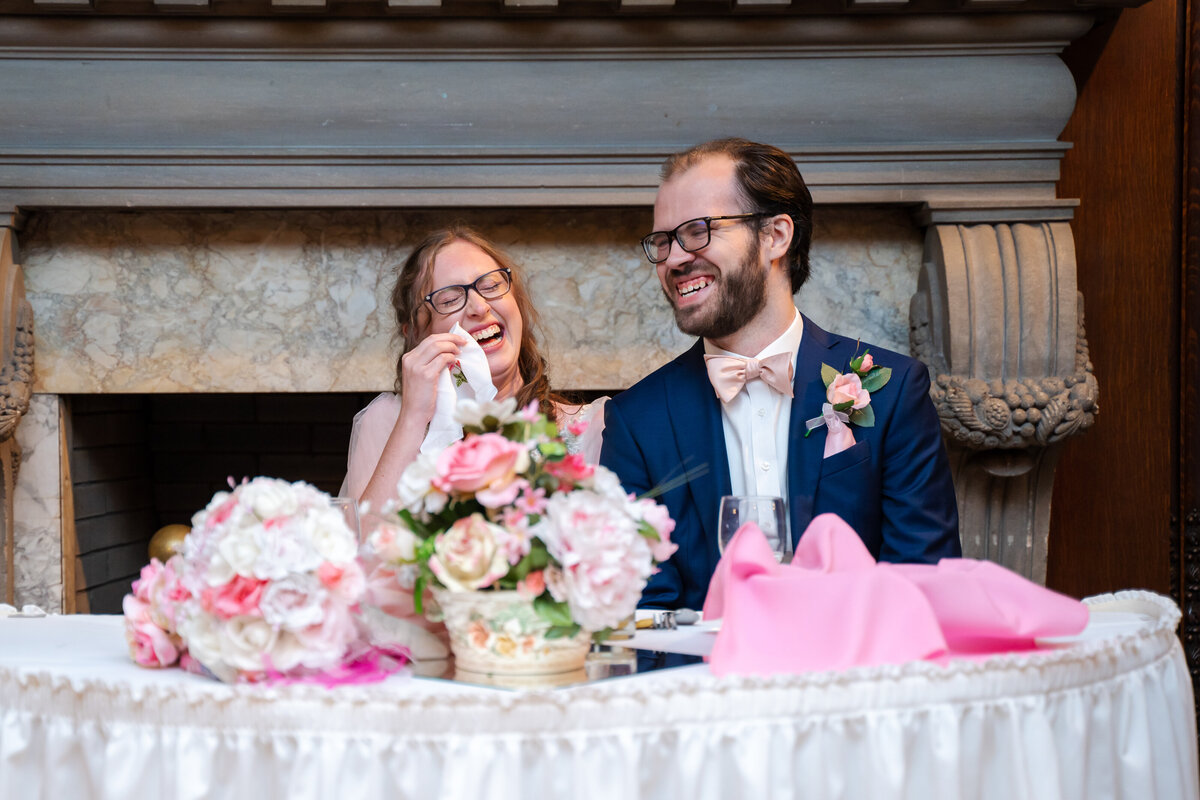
(139, 462)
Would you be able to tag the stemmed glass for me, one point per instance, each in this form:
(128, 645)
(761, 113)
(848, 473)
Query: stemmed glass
(768, 513)
(349, 509)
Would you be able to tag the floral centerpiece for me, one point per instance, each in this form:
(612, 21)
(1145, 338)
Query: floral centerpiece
(267, 586)
(507, 517)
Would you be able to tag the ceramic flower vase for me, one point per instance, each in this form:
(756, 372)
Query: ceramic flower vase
(499, 633)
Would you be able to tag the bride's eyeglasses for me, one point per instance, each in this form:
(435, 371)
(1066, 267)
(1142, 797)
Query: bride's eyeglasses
(489, 286)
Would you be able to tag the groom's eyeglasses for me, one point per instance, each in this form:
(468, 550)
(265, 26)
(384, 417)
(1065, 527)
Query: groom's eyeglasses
(692, 235)
(489, 286)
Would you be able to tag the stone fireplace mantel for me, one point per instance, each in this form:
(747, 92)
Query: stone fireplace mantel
(951, 113)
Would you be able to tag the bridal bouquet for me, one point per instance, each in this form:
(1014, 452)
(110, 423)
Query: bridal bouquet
(507, 507)
(267, 586)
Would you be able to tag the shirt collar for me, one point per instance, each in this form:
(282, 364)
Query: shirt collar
(788, 341)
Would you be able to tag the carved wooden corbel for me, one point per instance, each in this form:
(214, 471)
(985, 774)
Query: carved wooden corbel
(998, 319)
(16, 385)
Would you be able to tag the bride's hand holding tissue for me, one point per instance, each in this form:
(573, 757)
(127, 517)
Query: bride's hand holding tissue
(468, 332)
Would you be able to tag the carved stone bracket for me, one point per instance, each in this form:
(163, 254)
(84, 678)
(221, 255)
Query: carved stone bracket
(998, 319)
(16, 386)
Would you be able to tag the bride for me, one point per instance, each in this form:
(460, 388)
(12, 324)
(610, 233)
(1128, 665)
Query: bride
(456, 276)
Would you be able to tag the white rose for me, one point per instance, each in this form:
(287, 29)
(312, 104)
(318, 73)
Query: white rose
(220, 571)
(270, 498)
(415, 489)
(285, 548)
(240, 550)
(471, 412)
(288, 652)
(294, 602)
(244, 642)
(332, 538)
(202, 634)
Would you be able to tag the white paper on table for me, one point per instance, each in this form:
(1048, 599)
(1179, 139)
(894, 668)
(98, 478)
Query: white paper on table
(443, 429)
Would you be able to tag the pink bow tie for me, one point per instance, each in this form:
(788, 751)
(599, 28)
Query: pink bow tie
(729, 374)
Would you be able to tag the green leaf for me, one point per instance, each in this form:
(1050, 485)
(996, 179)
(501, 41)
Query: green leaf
(562, 631)
(600, 636)
(419, 529)
(647, 530)
(539, 557)
(419, 594)
(555, 450)
(843, 407)
(552, 611)
(863, 417)
(877, 378)
(828, 374)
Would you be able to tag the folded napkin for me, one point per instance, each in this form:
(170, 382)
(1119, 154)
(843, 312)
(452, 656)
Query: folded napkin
(833, 607)
(443, 429)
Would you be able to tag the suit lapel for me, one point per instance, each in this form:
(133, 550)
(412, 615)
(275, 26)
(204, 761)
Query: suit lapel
(695, 415)
(805, 454)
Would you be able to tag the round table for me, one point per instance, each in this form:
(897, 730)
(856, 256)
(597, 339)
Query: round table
(1107, 714)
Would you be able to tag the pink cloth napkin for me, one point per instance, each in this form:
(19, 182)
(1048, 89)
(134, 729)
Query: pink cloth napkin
(833, 607)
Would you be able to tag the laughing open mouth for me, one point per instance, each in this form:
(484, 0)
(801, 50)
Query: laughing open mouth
(693, 286)
(490, 335)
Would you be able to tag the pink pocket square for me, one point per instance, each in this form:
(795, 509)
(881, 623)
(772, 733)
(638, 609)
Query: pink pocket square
(833, 607)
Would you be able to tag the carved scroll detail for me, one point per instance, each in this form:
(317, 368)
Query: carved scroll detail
(999, 414)
(16, 388)
(998, 319)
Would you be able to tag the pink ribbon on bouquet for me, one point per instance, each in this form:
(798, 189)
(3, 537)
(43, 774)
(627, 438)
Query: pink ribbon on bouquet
(833, 607)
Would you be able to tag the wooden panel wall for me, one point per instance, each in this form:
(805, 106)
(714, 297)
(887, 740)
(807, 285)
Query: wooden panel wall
(1116, 487)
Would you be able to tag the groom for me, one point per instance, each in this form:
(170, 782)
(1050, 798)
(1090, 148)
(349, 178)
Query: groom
(733, 224)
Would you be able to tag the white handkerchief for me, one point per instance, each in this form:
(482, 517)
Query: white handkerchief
(443, 430)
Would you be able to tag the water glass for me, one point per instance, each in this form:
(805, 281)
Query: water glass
(768, 513)
(349, 509)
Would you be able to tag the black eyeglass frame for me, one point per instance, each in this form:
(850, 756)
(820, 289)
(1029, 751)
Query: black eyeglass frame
(468, 287)
(672, 235)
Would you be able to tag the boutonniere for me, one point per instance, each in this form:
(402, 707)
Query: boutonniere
(848, 398)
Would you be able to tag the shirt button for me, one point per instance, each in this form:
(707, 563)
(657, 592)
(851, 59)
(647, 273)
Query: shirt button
(762, 412)
(766, 466)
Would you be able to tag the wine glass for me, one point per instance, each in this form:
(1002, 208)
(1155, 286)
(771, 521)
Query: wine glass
(768, 513)
(349, 509)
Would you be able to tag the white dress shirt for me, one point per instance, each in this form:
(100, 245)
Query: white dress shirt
(756, 421)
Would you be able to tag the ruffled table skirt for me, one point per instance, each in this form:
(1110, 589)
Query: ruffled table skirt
(1110, 715)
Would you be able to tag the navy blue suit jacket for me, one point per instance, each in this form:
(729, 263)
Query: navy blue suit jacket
(893, 486)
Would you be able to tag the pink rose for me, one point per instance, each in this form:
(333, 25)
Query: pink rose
(571, 469)
(149, 645)
(501, 496)
(533, 584)
(346, 581)
(848, 389)
(867, 362)
(238, 597)
(468, 556)
(485, 461)
(577, 428)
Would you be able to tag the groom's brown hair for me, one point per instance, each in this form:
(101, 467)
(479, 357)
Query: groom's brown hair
(769, 183)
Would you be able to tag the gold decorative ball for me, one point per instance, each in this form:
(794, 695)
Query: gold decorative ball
(167, 541)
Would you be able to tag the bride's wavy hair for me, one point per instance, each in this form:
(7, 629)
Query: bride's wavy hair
(413, 315)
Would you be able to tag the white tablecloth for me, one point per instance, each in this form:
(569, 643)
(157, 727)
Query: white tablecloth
(1109, 715)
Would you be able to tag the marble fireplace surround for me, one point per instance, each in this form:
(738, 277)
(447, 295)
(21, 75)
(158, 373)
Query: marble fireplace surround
(212, 203)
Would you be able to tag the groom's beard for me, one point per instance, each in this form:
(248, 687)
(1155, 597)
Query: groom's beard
(740, 295)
